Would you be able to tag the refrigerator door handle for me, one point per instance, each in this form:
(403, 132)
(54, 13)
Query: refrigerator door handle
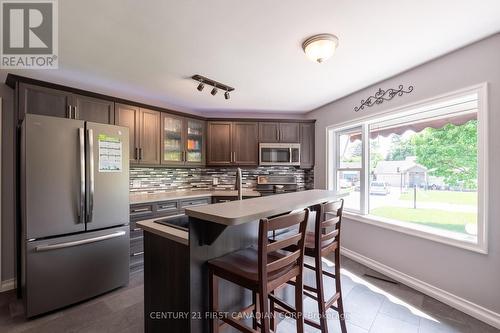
(57, 246)
(90, 208)
(81, 216)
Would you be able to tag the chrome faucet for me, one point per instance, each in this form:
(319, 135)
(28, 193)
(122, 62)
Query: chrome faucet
(238, 185)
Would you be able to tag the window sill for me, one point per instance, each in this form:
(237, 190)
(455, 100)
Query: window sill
(443, 237)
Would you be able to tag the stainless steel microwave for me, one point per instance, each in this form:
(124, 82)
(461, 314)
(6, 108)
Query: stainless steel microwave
(279, 154)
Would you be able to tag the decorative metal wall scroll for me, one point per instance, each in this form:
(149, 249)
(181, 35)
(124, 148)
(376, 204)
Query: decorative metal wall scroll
(381, 96)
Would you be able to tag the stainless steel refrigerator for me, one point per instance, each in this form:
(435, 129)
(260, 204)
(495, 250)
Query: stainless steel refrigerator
(75, 211)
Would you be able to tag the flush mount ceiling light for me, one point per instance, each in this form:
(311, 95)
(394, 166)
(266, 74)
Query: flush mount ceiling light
(319, 48)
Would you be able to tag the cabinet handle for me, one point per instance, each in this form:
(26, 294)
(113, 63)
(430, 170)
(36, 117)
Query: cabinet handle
(139, 210)
(68, 112)
(141, 155)
(137, 254)
(234, 157)
(277, 135)
(75, 112)
(135, 154)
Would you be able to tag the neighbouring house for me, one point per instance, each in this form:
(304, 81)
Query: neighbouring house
(405, 173)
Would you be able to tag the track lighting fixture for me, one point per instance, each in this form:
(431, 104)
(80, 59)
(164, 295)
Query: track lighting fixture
(202, 81)
(201, 86)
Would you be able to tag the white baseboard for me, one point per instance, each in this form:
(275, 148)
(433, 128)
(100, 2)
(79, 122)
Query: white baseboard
(7, 285)
(472, 309)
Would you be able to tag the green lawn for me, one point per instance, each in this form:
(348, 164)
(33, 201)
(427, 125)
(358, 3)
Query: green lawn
(452, 197)
(452, 221)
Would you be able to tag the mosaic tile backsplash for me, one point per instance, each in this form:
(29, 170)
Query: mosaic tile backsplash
(152, 180)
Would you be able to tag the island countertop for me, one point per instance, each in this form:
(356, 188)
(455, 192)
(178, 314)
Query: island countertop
(239, 212)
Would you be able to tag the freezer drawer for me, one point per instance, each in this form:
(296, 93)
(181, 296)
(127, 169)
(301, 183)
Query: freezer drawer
(65, 270)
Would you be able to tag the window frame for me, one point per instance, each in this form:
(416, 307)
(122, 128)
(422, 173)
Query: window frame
(363, 216)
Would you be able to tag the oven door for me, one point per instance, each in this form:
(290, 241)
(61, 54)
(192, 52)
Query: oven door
(279, 154)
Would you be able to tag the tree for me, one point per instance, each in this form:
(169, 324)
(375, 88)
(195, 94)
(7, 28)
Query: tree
(449, 152)
(400, 149)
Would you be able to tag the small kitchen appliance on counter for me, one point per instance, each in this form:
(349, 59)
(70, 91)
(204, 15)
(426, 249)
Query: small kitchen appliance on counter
(269, 185)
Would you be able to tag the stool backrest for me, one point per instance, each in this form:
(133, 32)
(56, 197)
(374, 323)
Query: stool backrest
(327, 229)
(288, 264)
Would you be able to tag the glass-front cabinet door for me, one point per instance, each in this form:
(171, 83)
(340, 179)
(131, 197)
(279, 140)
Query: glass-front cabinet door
(173, 140)
(195, 132)
(182, 141)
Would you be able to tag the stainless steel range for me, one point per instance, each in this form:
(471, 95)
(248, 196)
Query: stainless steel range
(269, 185)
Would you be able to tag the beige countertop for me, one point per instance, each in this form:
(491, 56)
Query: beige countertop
(239, 212)
(179, 236)
(186, 194)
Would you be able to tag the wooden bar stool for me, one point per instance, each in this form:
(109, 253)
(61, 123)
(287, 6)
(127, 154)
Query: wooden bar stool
(325, 240)
(262, 271)
(319, 243)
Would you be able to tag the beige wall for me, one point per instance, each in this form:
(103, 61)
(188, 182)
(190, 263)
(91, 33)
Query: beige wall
(472, 276)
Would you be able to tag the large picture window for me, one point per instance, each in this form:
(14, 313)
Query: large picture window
(419, 170)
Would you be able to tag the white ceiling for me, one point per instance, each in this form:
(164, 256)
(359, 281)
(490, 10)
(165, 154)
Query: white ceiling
(147, 50)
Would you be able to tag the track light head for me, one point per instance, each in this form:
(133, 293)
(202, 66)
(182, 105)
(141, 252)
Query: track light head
(214, 91)
(201, 86)
(226, 95)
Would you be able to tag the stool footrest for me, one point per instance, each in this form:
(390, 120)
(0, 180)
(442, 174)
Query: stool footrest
(282, 304)
(332, 300)
(238, 325)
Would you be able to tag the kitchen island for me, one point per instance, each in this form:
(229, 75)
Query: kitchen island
(175, 274)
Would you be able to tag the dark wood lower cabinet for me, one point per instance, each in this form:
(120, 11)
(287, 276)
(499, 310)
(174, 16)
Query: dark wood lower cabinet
(152, 210)
(166, 285)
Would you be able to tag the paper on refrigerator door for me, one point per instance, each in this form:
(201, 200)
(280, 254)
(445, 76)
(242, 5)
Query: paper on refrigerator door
(110, 153)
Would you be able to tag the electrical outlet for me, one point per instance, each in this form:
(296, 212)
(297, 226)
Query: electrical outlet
(215, 181)
(136, 183)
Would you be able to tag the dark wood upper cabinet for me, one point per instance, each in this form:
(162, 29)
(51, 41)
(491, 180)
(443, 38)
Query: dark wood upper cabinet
(307, 145)
(183, 141)
(57, 103)
(279, 132)
(149, 136)
(219, 149)
(289, 132)
(93, 109)
(232, 143)
(245, 143)
(144, 133)
(43, 101)
(269, 132)
(128, 116)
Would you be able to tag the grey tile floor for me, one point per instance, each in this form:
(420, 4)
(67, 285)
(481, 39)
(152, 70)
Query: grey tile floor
(371, 306)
